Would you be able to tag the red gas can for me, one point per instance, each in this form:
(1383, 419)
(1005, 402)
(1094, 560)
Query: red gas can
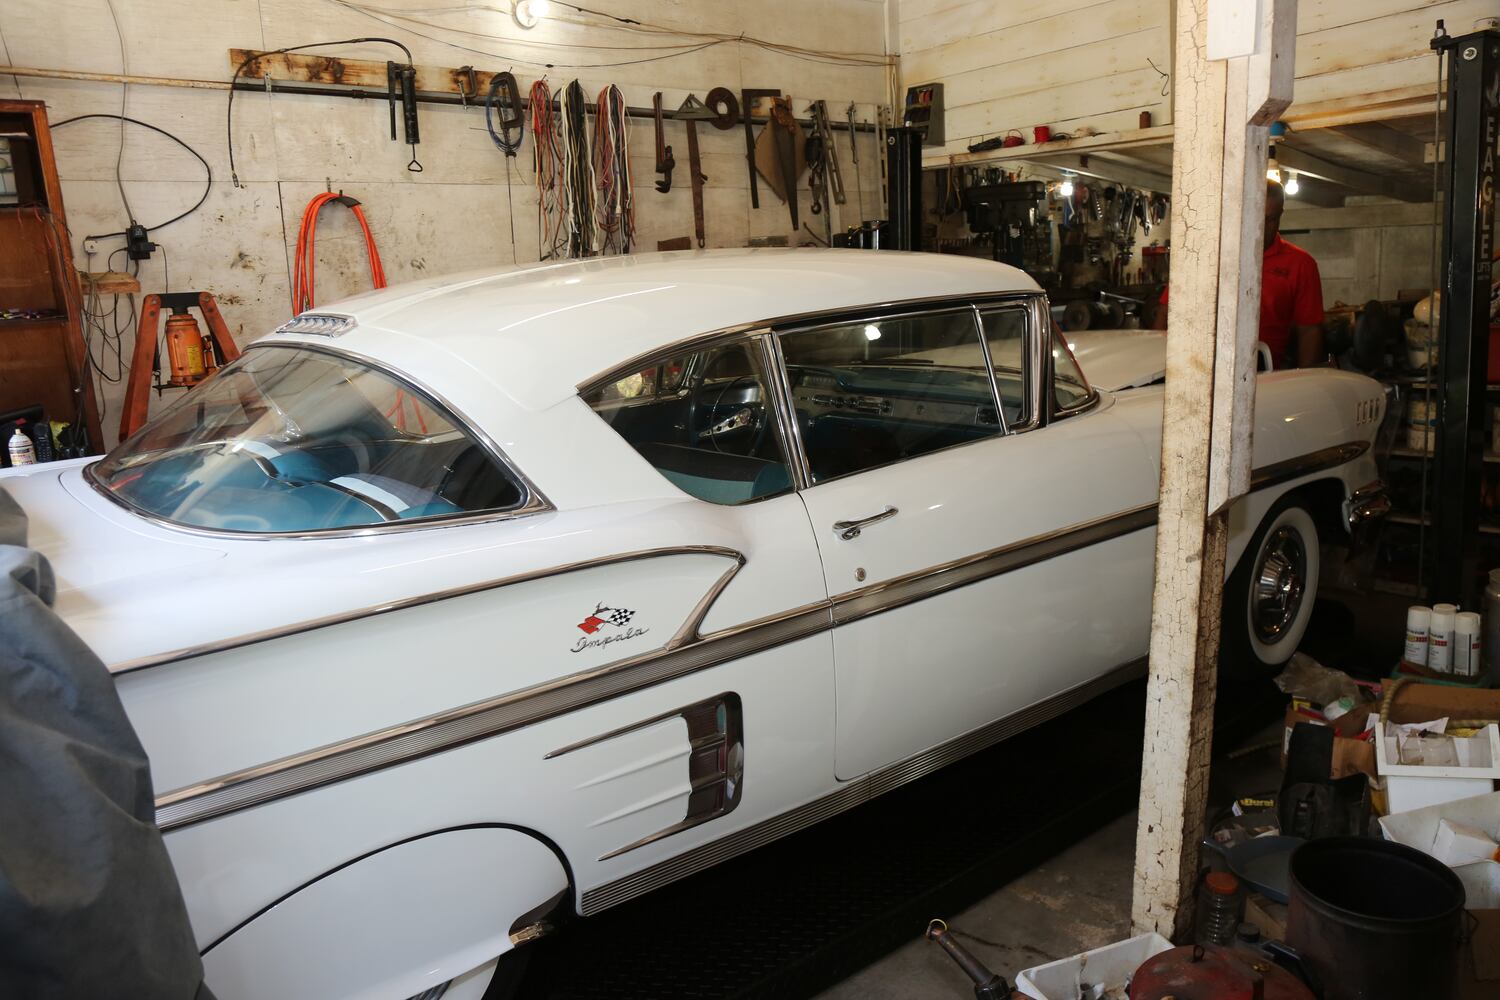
(1208, 972)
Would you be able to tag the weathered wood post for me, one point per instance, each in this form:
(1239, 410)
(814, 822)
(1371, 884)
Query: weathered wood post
(1233, 77)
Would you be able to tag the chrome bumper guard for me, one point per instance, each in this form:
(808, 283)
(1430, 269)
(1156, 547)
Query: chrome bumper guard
(1366, 506)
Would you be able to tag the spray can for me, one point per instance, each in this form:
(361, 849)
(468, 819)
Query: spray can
(1466, 652)
(22, 450)
(1440, 638)
(1418, 624)
(1492, 628)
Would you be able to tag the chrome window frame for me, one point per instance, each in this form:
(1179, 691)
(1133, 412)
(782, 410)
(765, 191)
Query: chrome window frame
(532, 501)
(930, 307)
(755, 337)
(1055, 412)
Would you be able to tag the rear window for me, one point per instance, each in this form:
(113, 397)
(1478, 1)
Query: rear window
(294, 440)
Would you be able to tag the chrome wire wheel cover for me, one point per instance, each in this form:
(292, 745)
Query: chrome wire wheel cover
(1280, 580)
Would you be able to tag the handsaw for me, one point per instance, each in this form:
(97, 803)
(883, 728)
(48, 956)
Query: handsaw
(664, 161)
(787, 135)
(747, 105)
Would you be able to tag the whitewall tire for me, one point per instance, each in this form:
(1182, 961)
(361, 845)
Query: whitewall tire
(1270, 596)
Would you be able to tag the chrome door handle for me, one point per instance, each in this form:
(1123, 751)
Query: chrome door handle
(851, 529)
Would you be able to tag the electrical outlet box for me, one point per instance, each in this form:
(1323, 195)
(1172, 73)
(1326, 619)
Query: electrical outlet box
(90, 247)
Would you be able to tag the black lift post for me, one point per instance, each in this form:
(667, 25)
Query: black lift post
(1473, 135)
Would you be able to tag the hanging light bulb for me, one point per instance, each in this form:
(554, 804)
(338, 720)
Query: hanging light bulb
(1066, 187)
(529, 12)
(1292, 186)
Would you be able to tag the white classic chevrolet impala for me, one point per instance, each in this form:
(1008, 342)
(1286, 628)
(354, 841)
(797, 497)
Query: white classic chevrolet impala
(466, 604)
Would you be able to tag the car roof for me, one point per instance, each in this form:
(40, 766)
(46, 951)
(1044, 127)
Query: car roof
(539, 331)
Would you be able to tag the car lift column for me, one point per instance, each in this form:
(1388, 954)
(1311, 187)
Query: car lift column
(1472, 139)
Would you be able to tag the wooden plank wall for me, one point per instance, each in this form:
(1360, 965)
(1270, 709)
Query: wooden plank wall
(1071, 64)
(455, 215)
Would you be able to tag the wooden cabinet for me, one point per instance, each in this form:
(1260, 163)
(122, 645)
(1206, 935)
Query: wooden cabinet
(43, 360)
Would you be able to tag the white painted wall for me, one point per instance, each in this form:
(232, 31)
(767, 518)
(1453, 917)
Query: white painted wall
(1370, 249)
(1074, 64)
(457, 213)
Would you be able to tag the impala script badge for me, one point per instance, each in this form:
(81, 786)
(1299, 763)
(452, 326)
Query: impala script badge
(606, 625)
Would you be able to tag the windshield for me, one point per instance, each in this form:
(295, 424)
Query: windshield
(293, 440)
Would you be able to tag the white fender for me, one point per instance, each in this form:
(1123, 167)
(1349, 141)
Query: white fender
(392, 924)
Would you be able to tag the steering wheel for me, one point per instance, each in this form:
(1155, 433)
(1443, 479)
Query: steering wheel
(750, 418)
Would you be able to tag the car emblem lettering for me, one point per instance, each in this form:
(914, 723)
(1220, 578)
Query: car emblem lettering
(612, 622)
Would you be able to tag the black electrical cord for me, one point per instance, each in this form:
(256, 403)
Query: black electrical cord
(229, 111)
(208, 180)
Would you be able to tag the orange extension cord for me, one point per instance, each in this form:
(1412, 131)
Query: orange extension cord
(302, 271)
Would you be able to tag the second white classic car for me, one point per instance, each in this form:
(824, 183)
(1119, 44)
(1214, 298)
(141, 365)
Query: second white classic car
(472, 602)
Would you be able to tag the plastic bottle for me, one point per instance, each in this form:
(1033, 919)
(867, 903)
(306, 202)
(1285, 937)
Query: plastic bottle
(1440, 639)
(1492, 628)
(1418, 624)
(1467, 662)
(22, 451)
(1221, 906)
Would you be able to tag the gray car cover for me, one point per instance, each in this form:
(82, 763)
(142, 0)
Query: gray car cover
(89, 904)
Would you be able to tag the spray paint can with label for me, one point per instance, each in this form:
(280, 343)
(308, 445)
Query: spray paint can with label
(1467, 662)
(1440, 638)
(22, 450)
(1418, 624)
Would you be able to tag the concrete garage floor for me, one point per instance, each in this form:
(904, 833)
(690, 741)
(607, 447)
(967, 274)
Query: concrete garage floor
(1078, 900)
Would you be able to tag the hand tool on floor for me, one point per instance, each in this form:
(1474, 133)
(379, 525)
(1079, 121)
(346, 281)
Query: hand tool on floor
(664, 161)
(692, 112)
(987, 985)
(191, 357)
(747, 106)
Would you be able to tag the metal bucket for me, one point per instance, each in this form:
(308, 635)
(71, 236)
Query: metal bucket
(1373, 919)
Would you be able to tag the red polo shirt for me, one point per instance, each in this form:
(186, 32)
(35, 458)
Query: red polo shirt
(1291, 294)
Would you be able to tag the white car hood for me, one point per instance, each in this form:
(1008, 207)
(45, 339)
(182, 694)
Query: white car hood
(1120, 359)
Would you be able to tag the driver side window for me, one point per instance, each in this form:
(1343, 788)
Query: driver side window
(704, 420)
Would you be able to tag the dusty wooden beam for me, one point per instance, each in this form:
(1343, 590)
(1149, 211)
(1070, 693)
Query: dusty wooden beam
(1157, 135)
(1359, 181)
(1380, 105)
(1384, 139)
(1359, 216)
(1094, 165)
(302, 68)
(1222, 107)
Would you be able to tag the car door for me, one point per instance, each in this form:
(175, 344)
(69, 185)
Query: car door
(985, 525)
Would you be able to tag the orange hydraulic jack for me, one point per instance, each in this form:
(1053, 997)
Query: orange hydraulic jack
(190, 357)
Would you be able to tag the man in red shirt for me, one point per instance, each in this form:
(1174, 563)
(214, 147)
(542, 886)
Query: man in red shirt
(1291, 295)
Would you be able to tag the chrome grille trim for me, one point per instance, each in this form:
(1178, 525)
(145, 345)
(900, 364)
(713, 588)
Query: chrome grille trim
(857, 792)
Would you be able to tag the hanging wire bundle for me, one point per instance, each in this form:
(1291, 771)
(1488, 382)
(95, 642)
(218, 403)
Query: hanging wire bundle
(614, 209)
(507, 137)
(547, 159)
(578, 174)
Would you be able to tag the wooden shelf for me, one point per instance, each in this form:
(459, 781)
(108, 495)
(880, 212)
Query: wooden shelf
(109, 282)
(32, 320)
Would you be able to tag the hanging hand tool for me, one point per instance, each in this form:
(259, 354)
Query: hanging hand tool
(747, 105)
(403, 78)
(664, 161)
(468, 85)
(834, 179)
(725, 108)
(859, 190)
(787, 135)
(818, 153)
(692, 112)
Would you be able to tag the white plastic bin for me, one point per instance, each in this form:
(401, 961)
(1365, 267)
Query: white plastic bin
(1110, 966)
(1418, 827)
(1415, 786)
